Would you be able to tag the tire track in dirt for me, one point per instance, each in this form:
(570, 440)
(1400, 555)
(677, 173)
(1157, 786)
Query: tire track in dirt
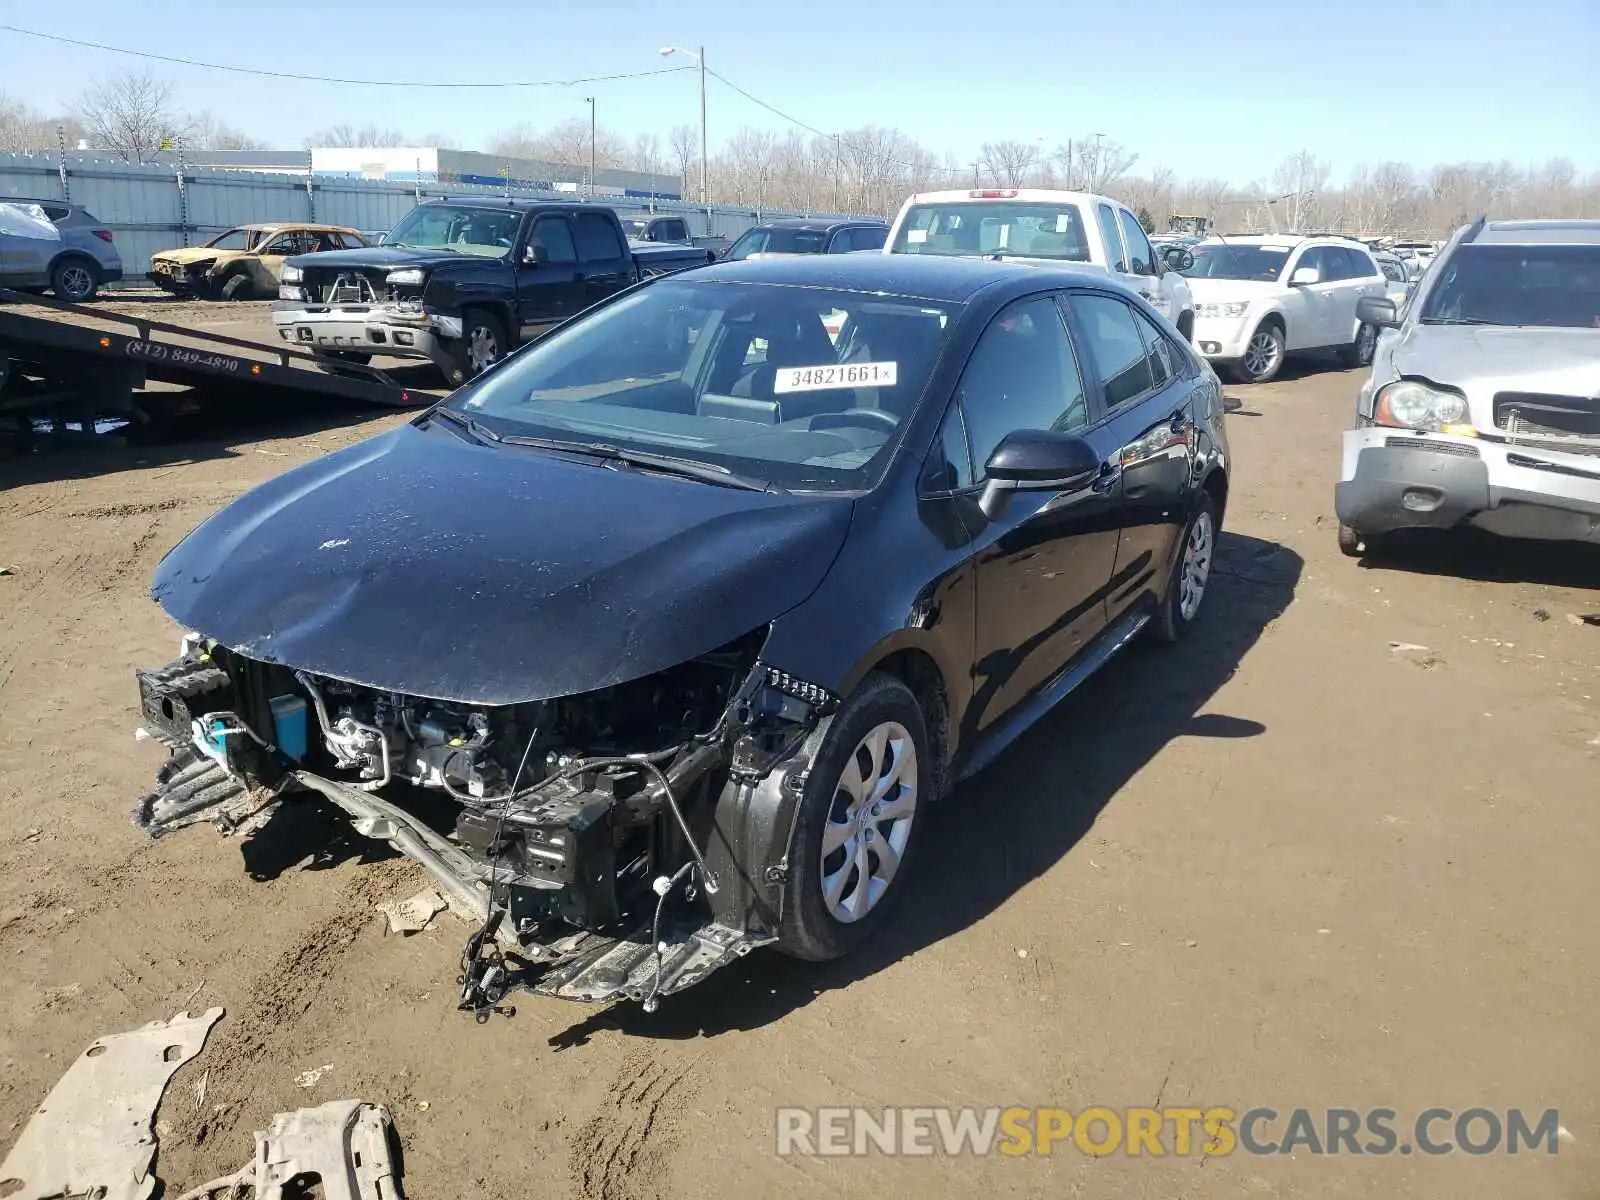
(244, 1042)
(624, 1150)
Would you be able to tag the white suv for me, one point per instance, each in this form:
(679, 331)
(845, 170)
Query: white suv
(1036, 225)
(1260, 298)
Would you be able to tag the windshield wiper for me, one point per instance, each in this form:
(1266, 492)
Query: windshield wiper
(667, 464)
(1456, 321)
(476, 428)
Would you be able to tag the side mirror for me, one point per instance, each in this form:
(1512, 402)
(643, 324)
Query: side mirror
(1177, 258)
(1377, 311)
(1030, 460)
(1305, 276)
(534, 254)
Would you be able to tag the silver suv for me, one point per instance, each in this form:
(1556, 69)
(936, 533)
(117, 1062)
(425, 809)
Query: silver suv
(1483, 406)
(74, 268)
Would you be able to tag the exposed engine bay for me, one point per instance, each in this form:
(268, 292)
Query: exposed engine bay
(621, 843)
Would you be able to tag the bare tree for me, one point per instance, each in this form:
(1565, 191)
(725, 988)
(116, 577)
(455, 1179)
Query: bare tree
(1008, 162)
(1101, 162)
(346, 136)
(203, 131)
(646, 154)
(1300, 179)
(130, 113)
(25, 130)
(684, 141)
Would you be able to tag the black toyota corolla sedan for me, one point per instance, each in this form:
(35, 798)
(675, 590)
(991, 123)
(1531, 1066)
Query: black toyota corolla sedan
(653, 643)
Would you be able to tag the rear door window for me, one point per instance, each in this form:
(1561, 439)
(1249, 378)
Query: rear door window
(1120, 353)
(597, 239)
(1115, 254)
(868, 238)
(1141, 261)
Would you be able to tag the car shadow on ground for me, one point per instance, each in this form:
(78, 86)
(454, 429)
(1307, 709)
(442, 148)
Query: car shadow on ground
(221, 421)
(1016, 820)
(1469, 553)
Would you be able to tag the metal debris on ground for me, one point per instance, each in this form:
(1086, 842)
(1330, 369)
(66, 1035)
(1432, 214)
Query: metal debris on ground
(416, 913)
(309, 1078)
(343, 1145)
(92, 1136)
(1584, 618)
(1541, 614)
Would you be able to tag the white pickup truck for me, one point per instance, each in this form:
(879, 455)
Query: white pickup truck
(1073, 229)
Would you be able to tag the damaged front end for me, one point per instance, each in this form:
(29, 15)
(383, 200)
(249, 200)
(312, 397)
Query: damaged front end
(618, 844)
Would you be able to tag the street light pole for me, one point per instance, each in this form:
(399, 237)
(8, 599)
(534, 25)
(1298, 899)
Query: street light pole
(699, 57)
(590, 100)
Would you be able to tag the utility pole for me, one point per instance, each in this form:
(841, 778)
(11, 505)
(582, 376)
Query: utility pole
(974, 174)
(705, 150)
(590, 100)
(1069, 164)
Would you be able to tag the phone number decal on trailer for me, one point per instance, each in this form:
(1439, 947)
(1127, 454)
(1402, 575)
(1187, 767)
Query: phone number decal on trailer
(838, 375)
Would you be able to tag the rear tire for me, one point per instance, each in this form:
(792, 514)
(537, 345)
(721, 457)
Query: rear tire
(1359, 352)
(74, 280)
(1191, 574)
(863, 795)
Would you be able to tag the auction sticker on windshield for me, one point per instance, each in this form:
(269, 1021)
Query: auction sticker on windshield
(835, 375)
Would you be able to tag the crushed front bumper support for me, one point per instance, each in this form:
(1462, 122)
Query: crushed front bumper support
(395, 330)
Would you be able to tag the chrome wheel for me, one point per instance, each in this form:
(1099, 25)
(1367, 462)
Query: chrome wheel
(1196, 567)
(483, 349)
(76, 282)
(869, 822)
(1261, 355)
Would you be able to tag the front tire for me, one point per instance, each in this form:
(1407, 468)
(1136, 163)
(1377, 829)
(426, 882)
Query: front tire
(74, 280)
(856, 828)
(1191, 574)
(483, 343)
(1263, 356)
(237, 287)
(1351, 543)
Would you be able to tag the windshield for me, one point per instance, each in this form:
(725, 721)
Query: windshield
(237, 239)
(487, 232)
(804, 388)
(779, 241)
(1553, 286)
(1030, 230)
(1261, 263)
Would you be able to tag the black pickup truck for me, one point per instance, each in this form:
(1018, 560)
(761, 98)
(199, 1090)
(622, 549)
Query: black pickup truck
(463, 280)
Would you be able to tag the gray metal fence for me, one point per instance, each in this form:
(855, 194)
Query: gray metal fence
(154, 207)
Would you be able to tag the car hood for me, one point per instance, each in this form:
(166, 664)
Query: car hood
(388, 257)
(415, 562)
(1559, 361)
(1226, 291)
(193, 254)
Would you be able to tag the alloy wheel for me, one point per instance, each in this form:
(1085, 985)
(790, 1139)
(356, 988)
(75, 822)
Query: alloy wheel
(1196, 569)
(77, 282)
(483, 350)
(1261, 355)
(869, 822)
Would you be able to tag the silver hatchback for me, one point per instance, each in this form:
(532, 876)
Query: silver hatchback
(1483, 406)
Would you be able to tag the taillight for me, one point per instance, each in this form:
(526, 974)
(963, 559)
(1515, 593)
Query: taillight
(103, 234)
(993, 194)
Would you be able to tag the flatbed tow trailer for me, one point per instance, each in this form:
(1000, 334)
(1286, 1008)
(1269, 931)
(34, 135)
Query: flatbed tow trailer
(65, 372)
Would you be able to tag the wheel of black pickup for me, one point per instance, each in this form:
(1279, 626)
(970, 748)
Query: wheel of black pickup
(855, 833)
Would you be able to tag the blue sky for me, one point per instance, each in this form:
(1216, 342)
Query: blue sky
(1226, 88)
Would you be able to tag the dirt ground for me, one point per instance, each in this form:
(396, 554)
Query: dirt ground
(1285, 864)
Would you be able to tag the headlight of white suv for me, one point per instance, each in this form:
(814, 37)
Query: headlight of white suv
(290, 275)
(409, 277)
(1234, 308)
(1408, 404)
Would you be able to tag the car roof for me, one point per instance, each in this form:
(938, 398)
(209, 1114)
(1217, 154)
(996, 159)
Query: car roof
(1020, 195)
(820, 223)
(274, 226)
(517, 203)
(1539, 232)
(947, 280)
